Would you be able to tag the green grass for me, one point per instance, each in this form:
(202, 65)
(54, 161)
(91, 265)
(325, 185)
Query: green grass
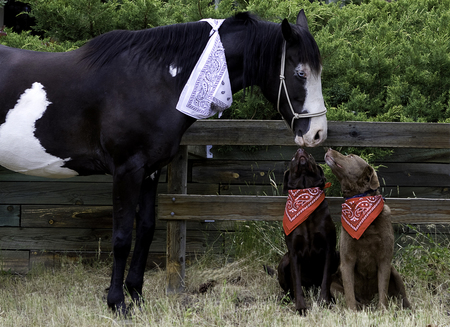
(242, 294)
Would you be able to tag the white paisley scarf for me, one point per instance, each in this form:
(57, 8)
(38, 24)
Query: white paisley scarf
(208, 90)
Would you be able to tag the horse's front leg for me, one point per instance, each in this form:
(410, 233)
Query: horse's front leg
(126, 189)
(145, 229)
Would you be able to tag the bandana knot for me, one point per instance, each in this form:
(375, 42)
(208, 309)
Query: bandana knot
(358, 213)
(299, 206)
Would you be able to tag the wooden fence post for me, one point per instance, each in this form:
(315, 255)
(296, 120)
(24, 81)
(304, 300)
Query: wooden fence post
(176, 230)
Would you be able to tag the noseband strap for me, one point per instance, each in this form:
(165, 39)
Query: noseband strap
(283, 86)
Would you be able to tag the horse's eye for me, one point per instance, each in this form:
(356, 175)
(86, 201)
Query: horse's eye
(301, 74)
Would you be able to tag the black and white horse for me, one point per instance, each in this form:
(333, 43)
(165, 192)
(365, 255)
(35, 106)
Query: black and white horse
(110, 107)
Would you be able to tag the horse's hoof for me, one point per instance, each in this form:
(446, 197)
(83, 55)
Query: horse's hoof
(119, 309)
(302, 311)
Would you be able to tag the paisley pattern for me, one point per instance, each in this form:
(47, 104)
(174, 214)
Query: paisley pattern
(208, 90)
(299, 205)
(358, 213)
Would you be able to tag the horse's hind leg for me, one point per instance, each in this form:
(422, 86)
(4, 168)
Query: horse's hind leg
(145, 228)
(126, 189)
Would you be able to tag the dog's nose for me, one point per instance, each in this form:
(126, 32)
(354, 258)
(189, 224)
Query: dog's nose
(301, 151)
(301, 156)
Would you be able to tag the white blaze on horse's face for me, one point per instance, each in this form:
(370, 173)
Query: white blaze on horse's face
(20, 150)
(314, 103)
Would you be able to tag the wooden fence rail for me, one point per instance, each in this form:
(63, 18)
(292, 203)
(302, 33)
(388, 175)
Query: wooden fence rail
(179, 207)
(356, 134)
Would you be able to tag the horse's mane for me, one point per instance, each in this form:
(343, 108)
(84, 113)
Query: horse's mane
(182, 44)
(263, 43)
(177, 45)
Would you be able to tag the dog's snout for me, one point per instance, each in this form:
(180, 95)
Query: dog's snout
(303, 160)
(301, 157)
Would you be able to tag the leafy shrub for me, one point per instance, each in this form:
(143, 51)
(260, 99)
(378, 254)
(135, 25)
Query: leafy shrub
(74, 19)
(386, 59)
(27, 41)
(383, 61)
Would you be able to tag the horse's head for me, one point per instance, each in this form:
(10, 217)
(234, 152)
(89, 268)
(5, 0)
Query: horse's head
(300, 99)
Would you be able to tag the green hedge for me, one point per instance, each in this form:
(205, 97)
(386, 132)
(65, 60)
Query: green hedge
(385, 61)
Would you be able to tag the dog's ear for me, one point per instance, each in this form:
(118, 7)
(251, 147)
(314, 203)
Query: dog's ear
(286, 181)
(371, 178)
(322, 176)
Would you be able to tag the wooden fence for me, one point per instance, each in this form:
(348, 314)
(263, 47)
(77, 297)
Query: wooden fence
(42, 220)
(178, 207)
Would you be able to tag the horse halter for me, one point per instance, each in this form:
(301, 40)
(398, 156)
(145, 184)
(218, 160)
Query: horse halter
(283, 85)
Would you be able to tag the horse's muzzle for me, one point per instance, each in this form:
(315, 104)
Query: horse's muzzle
(310, 140)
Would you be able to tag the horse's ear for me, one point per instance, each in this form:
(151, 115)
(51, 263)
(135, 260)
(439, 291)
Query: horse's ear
(286, 30)
(301, 20)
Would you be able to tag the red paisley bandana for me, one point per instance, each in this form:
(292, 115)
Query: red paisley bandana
(358, 213)
(299, 205)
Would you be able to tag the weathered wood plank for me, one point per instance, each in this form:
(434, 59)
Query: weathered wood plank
(250, 172)
(176, 230)
(9, 215)
(68, 193)
(66, 216)
(418, 155)
(52, 193)
(271, 208)
(236, 172)
(62, 239)
(415, 174)
(15, 261)
(81, 239)
(275, 132)
(278, 152)
(53, 259)
(10, 176)
(388, 191)
(96, 217)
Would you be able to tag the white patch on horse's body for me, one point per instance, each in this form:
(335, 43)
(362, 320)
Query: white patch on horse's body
(20, 150)
(314, 103)
(153, 176)
(173, 70)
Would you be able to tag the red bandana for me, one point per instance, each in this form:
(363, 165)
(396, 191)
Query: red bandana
(358, 213)
(299, 205)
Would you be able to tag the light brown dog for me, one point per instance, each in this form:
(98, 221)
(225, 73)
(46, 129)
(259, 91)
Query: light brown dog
(365, 268)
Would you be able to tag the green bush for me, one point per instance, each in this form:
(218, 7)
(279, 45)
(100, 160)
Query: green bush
(386, 60)
(27, 41)
(74, 19)
(383, 61)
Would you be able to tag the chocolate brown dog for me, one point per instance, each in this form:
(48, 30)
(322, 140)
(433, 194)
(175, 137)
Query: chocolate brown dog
(366, 256)
(311, 258)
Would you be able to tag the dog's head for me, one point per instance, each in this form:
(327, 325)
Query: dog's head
(355, 175)
(303, 172)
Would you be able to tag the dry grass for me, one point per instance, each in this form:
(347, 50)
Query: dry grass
(242, 294)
